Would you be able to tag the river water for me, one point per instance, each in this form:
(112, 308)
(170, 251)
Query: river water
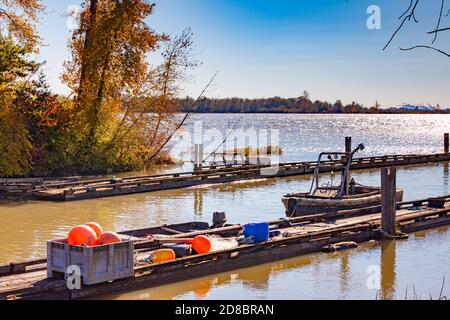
(413, 268)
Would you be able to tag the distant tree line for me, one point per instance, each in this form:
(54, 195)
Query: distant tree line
(288, 105)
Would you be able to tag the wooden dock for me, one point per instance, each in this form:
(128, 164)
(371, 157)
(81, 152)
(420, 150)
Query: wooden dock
(100, 188)
(300, 236)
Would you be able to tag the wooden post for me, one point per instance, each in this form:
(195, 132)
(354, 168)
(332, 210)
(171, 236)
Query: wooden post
(348, 144)
(446, 143)
(348, 150)
(389, 200)
(198, 158)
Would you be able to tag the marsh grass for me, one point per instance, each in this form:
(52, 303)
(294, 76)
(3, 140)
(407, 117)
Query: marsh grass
(416, 296)
(261, 151)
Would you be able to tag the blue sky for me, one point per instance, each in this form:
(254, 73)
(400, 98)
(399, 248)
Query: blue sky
(264, 48)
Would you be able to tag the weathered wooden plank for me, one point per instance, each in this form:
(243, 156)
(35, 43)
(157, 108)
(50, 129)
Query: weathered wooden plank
(106, 188)
(5, 270)
(426, 224)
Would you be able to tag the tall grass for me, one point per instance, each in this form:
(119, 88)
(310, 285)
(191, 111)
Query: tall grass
(261, 151)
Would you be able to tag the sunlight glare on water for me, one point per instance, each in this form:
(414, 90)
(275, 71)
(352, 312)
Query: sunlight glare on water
(423, 260)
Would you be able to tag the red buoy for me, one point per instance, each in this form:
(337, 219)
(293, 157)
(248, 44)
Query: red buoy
(96, 227)
(82, 235)
(109, 237)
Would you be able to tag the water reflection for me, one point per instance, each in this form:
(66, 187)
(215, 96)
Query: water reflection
(198, 202)
(345, 270)
(388, 269)
(320, 276)
(445, 180)
(26, 226)
(254, 279)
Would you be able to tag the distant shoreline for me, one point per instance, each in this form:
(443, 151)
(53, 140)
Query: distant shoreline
(300, 105)
(445, 112)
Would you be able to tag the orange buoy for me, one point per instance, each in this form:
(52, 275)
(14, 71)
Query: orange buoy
(82, 235)
(96, 227)
(108, 237)
(201, 244)
(162, 255)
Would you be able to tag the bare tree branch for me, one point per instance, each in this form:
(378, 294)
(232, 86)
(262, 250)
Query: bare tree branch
(155, 154)
(407, 10)
(438, 30)
(427, 47)
(224, 140)
(406, 18)
(439, 21)
(410, 14)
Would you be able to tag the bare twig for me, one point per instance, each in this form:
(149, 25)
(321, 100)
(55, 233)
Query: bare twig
(407, 10)
(427, 47)
(439, 30)
(225, 140)
(153, 156)
(410, 14)
(406, 17)
(439, 20)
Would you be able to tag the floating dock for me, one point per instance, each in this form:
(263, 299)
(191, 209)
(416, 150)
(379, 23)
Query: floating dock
(91, 189)
(300, 236)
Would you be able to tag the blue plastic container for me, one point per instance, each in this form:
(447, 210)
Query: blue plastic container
(260, 231)
(181, 250)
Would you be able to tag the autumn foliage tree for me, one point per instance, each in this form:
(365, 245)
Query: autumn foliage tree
(123, 105)
(121, 112)
(18, 39)
(19, 17)
(150, 106)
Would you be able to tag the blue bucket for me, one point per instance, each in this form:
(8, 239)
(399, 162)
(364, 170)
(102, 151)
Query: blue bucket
(260, 231)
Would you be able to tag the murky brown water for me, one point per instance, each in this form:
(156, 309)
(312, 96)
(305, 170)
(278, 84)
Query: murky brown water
(395, 267)
(421, 261)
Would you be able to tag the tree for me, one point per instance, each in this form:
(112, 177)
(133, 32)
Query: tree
(19, 18)
(15, 144)
(305, 95)
(18, 39)
(125, 107)
(151, 105)
(14, 63)
(109, 52)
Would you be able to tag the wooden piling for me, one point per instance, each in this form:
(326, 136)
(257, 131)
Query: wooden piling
(348, 144)
(198, 158)
(348, 150)
(388, 200)
(446, 142)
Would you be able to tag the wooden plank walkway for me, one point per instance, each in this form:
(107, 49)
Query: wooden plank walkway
(100, 188)
(310, 234)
